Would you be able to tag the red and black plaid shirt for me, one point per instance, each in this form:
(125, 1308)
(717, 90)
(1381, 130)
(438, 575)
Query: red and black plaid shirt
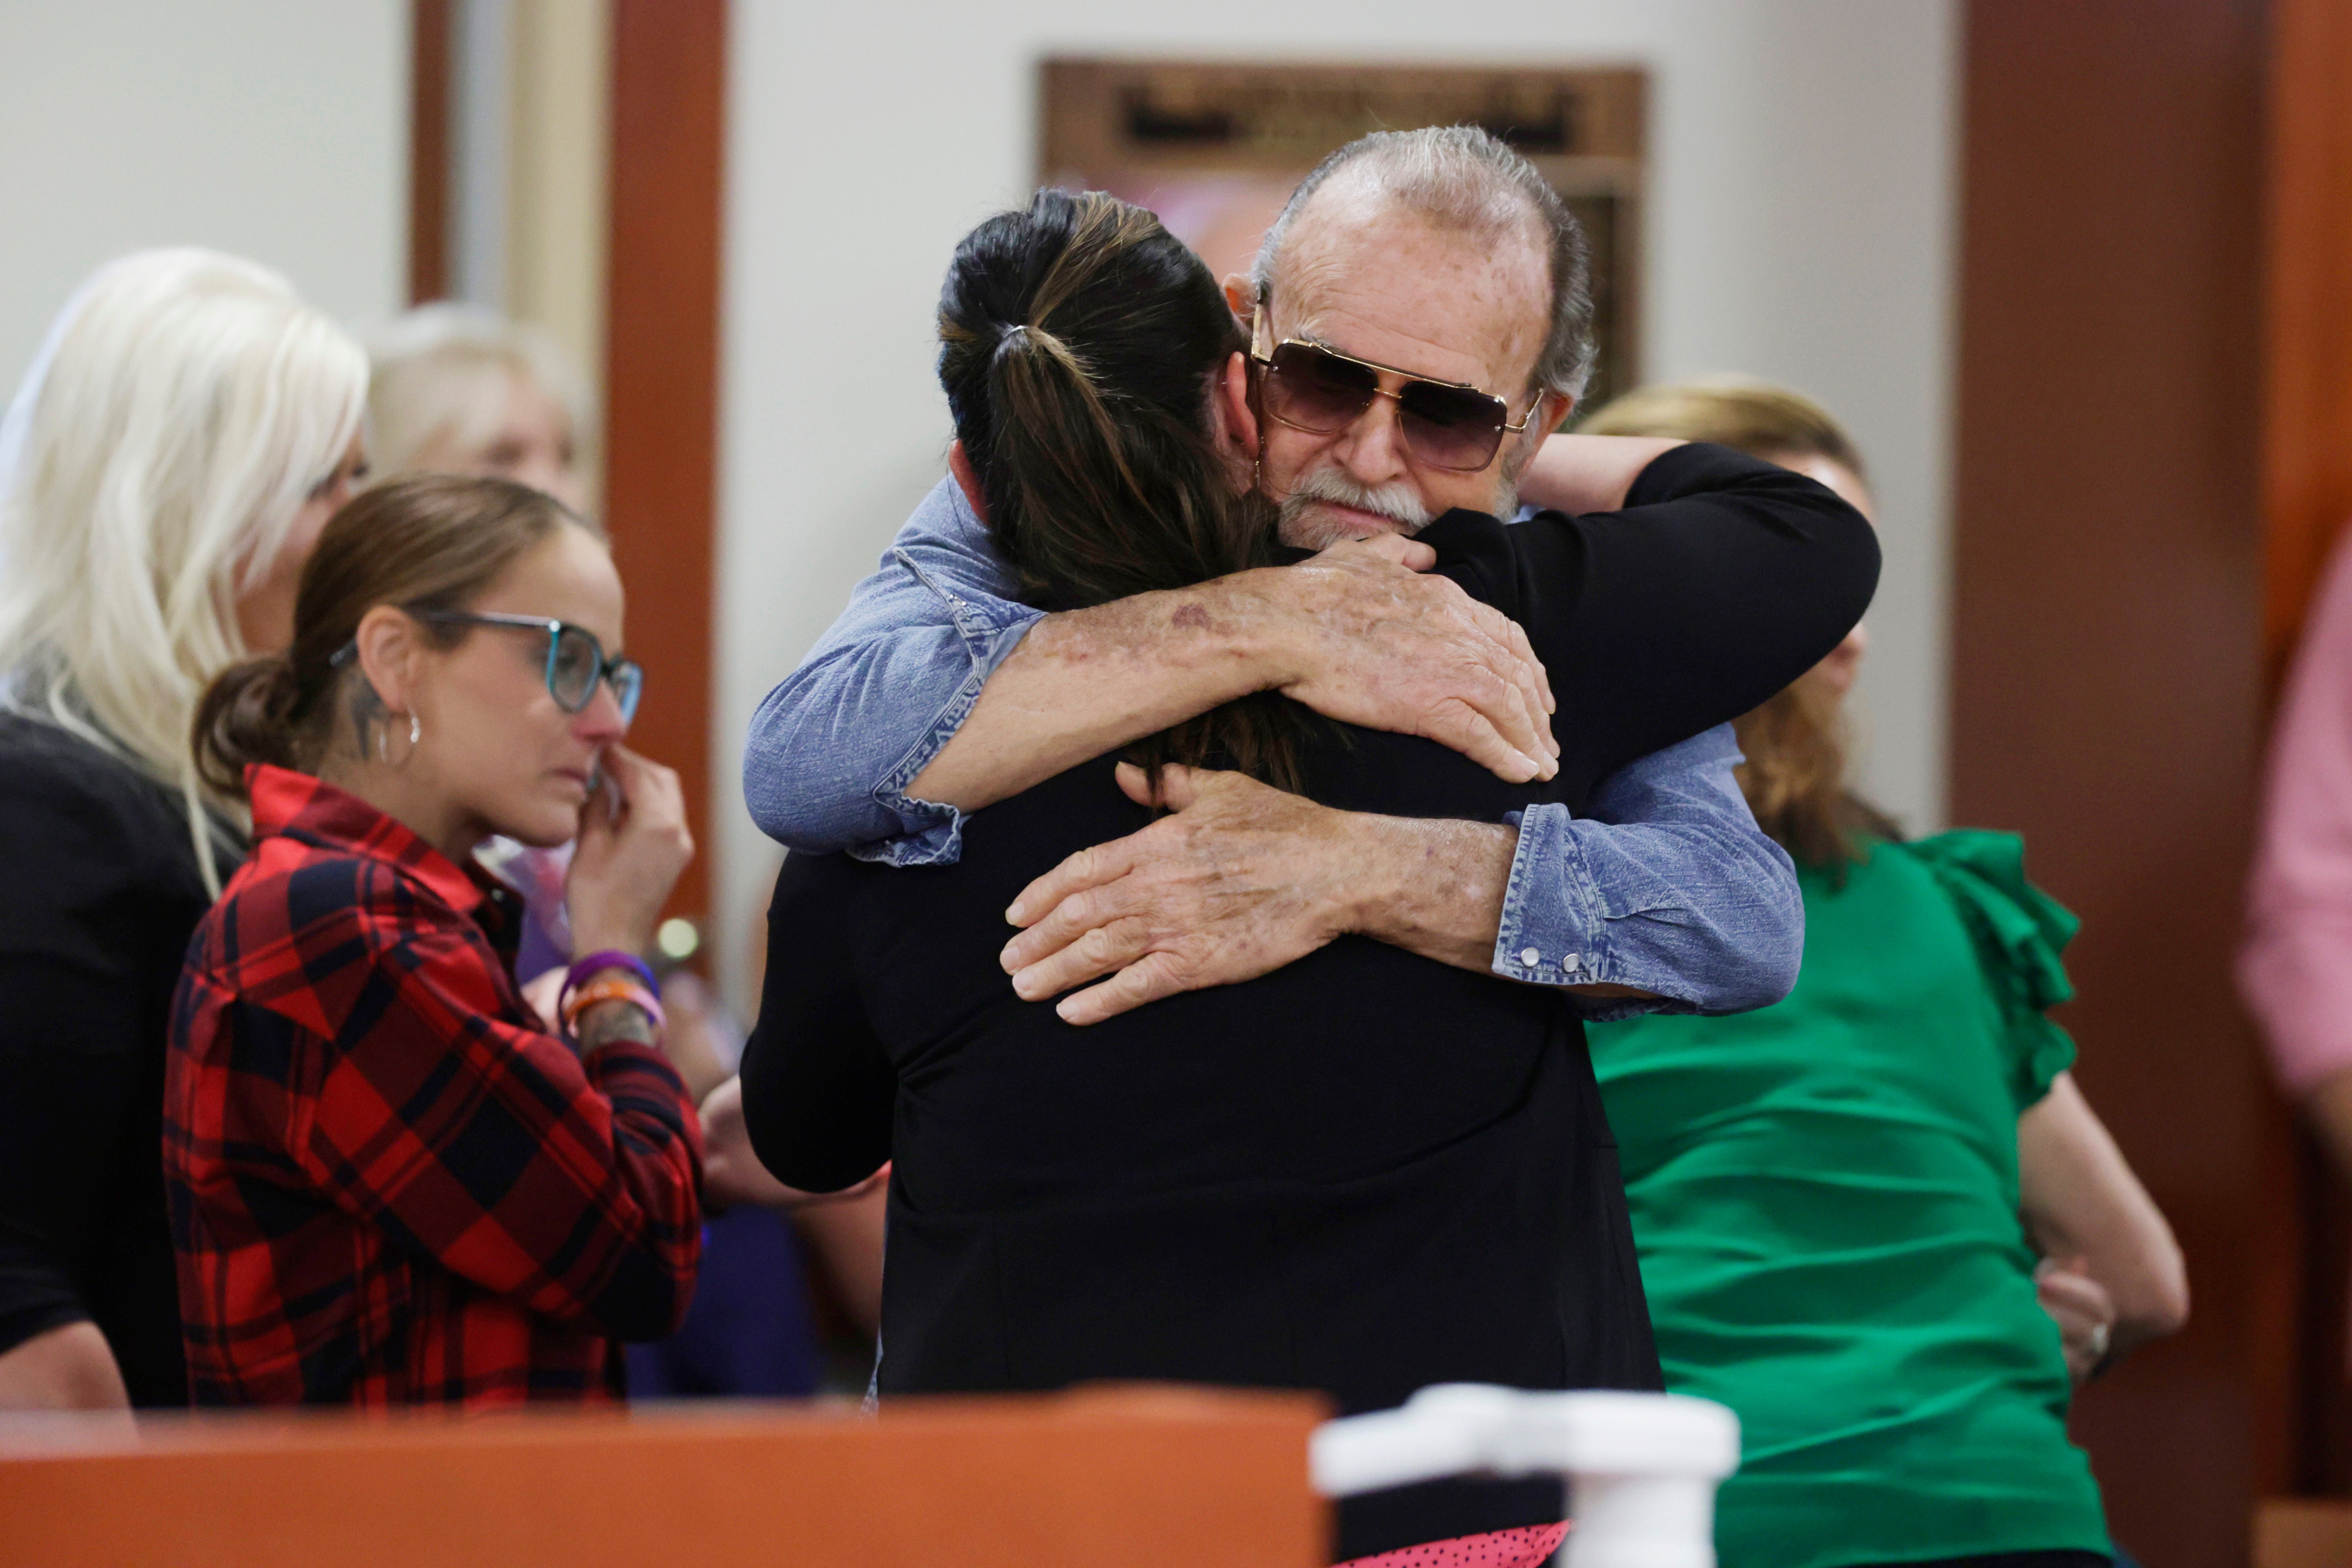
(390, 1184)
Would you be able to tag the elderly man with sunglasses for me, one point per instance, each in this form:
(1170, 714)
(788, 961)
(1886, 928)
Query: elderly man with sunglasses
(1402, 366)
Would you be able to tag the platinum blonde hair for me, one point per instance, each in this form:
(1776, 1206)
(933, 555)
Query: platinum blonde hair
(1467, 179)
(152, 464)
(441, 377)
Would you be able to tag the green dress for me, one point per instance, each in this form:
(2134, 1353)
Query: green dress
(1824, 1195)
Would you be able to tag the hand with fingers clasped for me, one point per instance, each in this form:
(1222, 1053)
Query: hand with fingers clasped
(2083, 1309)
(1239, 879)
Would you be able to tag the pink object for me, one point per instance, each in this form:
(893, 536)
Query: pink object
(2294, 970)
(1529, 1548)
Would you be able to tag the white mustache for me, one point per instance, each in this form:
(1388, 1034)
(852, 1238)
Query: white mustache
(1399, 502)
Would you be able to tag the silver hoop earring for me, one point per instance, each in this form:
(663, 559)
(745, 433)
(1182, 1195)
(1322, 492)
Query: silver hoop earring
(384, 741)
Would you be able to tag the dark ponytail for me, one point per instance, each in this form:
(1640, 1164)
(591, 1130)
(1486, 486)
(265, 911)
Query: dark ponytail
(428, 543)
(1079, 345)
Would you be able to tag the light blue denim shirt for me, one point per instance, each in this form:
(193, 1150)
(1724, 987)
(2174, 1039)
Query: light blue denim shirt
(1668, 886)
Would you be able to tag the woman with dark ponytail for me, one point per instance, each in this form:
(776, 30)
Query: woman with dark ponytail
(1120, 471)
(390, 1183)
(1363, 1172)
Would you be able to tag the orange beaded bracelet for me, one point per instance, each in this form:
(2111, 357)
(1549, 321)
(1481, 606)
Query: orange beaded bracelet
(611, 989)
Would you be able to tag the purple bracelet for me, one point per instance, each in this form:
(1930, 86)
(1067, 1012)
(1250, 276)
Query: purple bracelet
(596, 964)
(613, 958)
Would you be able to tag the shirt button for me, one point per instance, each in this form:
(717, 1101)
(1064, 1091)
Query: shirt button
(1571, 963)
(1530, 957)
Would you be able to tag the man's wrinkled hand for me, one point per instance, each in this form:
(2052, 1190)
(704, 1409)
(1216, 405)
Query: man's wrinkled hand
(1382, 645)
(1239, 879)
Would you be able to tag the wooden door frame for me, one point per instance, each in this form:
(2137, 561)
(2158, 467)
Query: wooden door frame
(661, 381)
(428, 150)
(2107, 659)
(661, 351)
(2190, 468)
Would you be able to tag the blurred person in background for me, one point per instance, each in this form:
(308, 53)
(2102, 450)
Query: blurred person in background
(165, 467)
(460, 389)
(2295, 969)
(391, 1183)
(1878, 1219)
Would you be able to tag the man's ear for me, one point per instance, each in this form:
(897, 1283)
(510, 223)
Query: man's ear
(1241, 298)
(967, 480)
(1231, 420)
(388, 652)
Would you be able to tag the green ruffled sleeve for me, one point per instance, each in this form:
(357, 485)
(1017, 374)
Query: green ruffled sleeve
(2019, 932)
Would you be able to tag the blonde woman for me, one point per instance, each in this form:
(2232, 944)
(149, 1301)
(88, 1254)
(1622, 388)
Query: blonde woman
(459, 389)
(164, 470)
(1877, 1219)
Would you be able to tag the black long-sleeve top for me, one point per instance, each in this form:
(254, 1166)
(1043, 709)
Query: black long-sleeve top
(102, 893)
(1364, 1172)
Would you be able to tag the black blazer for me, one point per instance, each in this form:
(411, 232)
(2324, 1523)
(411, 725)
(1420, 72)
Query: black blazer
(1364, 1172)
(102, 895)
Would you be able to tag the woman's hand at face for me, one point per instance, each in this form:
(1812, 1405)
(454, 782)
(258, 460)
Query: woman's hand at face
(632, 844)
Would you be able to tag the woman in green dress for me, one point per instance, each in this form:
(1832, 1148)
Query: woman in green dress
(1877, 1219)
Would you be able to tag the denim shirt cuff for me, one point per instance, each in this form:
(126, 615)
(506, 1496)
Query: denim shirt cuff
(1551, 931)
(932, 833)
(1555, 925)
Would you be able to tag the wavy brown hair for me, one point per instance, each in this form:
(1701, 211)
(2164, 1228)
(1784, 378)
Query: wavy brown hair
(1799, 743)
(1079, 342)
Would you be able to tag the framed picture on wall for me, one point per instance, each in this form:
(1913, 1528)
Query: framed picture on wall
(1215, 149)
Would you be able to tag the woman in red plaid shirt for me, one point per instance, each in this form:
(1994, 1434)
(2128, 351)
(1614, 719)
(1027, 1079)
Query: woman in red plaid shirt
(390, 1183)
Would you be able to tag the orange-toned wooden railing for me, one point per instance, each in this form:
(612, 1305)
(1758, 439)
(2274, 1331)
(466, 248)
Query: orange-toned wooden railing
(1110, 1478)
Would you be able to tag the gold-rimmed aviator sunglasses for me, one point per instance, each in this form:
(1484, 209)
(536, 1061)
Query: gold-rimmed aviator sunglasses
(1446, 425)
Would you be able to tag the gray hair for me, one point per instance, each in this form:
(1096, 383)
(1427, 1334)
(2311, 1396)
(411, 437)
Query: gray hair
(1464, 177)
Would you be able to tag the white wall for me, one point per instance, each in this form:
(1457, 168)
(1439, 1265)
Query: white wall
(1799, 228)
(275, 128)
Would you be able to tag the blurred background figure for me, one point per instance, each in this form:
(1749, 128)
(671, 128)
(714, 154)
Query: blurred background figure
(164, 471)
(2295, 967)
(1827, 1193)
(460, 389)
